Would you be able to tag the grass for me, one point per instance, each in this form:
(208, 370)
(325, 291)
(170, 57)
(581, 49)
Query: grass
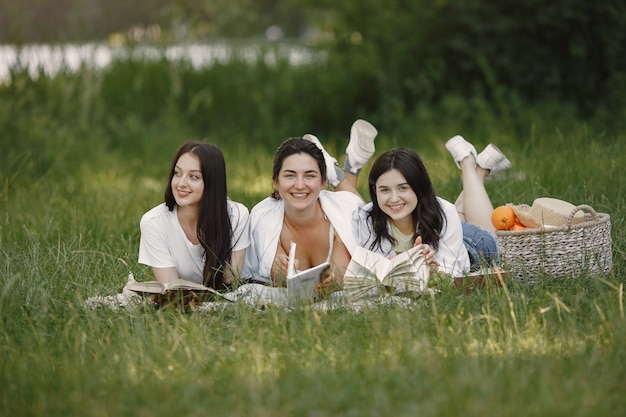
(70, 203)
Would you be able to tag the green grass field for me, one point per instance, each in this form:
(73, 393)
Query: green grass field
(71, 197)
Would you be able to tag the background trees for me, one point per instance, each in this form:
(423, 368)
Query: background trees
(386, 58)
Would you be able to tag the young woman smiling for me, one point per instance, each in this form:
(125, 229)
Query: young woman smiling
(300, 210)
(303, 211)
(404, 210)
(197, 234)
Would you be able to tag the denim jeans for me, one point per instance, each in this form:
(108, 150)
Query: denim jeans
(481, 245)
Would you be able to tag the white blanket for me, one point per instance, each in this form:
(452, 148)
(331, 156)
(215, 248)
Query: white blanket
(257, 295)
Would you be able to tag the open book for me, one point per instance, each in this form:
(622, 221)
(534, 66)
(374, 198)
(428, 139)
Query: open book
(301, 285)
(405, 274)
(179, 285)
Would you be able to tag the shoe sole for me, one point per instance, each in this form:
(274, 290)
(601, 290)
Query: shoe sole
(363, 146)
(493, 153)
(454, 143)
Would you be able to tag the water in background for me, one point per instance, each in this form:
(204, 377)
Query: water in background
(52, 59)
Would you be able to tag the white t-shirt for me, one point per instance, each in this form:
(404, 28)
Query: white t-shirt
(163, 243)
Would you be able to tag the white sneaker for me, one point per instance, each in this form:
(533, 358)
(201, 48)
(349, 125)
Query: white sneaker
(493, 159)
(361, 146)
(331, 163)
(460, 149)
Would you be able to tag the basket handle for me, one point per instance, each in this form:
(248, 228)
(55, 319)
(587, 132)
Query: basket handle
(576, 209)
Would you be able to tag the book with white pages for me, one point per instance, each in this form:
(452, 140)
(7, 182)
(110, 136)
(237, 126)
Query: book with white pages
(405, 274)
(301, 285)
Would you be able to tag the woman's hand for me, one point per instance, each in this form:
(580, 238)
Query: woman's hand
(429, 255)
(326, 287)
(279, 269)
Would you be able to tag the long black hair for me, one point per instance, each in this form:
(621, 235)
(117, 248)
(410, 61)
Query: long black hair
(294, 146)
(428, 216)
(214, 229)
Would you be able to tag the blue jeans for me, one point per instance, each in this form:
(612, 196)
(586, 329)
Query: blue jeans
(481, 245)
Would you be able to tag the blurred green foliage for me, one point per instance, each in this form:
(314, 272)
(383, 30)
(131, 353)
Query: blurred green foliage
(28, 21)
(421, 50)
(384, 58)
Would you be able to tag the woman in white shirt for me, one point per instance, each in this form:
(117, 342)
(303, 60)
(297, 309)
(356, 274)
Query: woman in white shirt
(405, 210)
(197, 234)
(302, 211)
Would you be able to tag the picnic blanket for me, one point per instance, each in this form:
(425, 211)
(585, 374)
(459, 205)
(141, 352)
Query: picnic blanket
(257, 295)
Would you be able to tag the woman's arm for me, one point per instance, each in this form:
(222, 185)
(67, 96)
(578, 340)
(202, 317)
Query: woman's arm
(233, 270)
(279, 267)
(164, 275)
(340, 259)
(452, 255)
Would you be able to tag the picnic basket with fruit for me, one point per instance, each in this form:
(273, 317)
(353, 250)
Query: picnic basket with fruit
(553, 238)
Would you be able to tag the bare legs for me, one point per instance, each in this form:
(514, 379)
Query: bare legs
(349, 183)
(473, 203)
(358, 152)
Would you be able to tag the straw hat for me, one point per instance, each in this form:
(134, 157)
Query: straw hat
(546, 211)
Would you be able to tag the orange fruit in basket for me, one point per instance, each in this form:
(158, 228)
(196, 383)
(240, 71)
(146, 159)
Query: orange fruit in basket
(518, 226)
(503, 218)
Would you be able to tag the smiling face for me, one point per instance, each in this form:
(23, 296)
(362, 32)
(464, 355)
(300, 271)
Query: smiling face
(299, 181)
(396, 199)
(187, 182)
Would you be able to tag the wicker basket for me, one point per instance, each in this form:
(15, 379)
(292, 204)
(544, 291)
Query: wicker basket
(564, 251)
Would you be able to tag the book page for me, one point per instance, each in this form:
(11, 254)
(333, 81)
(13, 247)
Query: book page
(375, 263)
(291, 265)
(302, 285)
(181, 284)
(155, 287)
(383, 267)
(152, 287)
(406, 272)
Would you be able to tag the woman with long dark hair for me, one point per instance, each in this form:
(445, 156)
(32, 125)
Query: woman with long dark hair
(197, 234)
(405, 211)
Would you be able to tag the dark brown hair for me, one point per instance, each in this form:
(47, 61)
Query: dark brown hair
(214, 230)
(428, 216)
(294, 146)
